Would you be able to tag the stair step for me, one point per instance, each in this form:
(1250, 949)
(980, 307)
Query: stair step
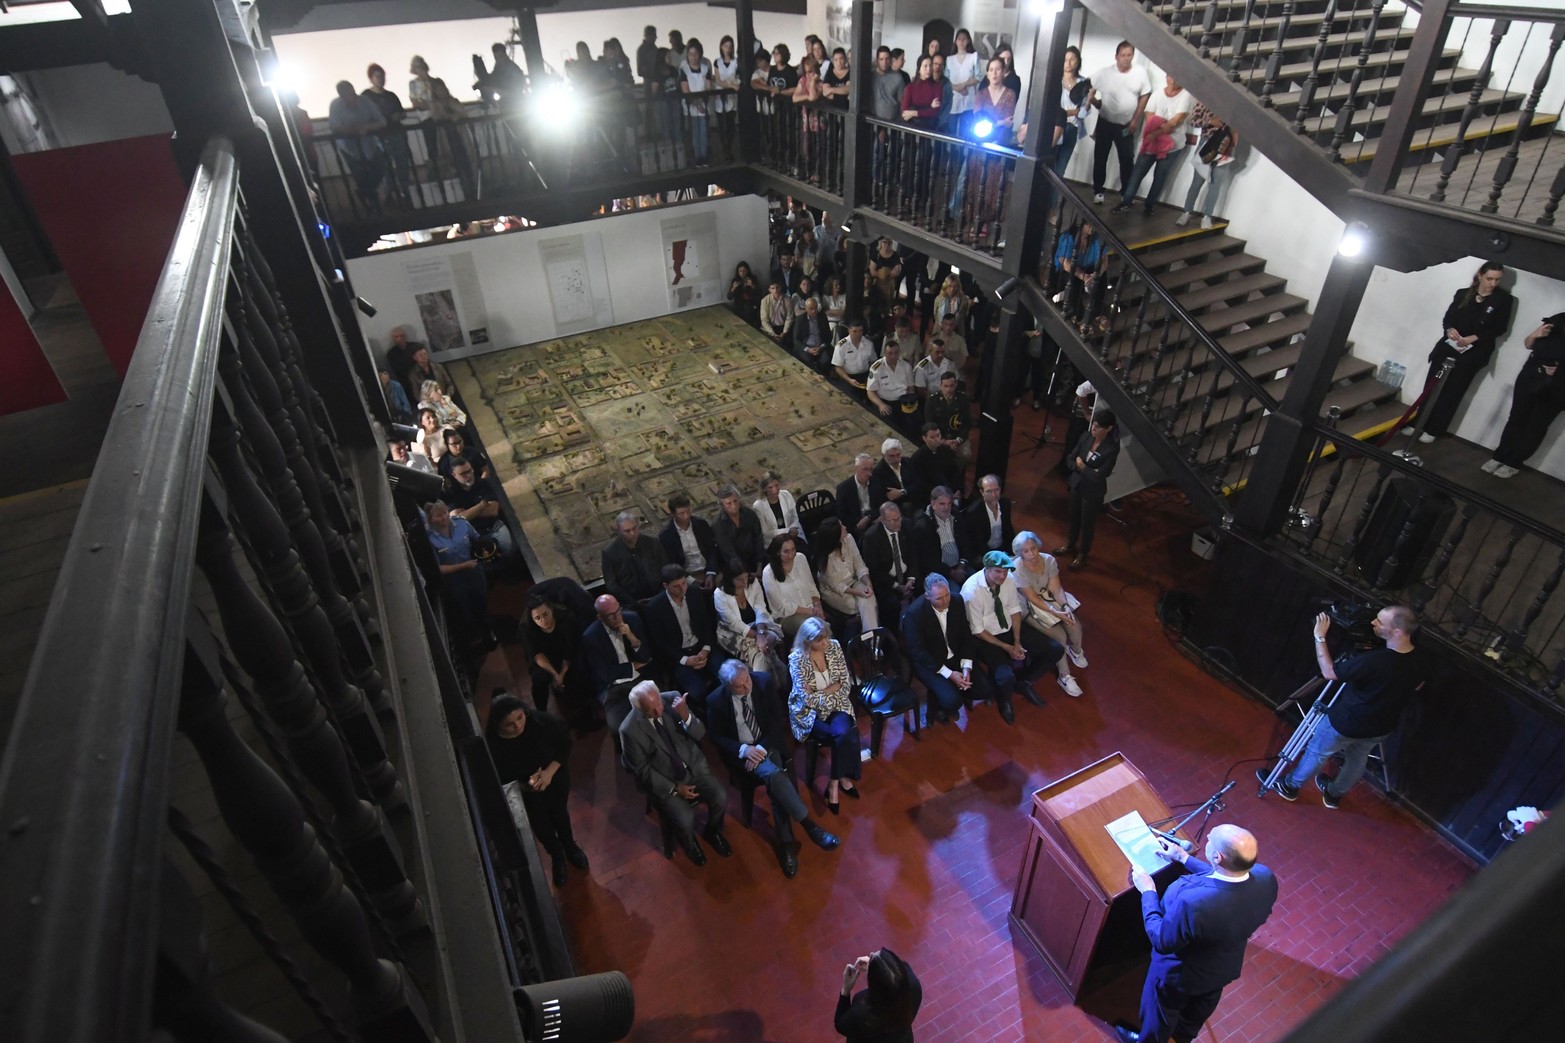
(1331, 68)
(1165, 11)
(1358, 395)
(1379, 415)
(1206, 271)
(1446, 105)
(1265, 334)
(1217, 381)
(1355, 152)
(1196, 301)
(1307, 24)
(1265, 365)
(1354, 426)
(1455, 80)
(1397, 40)
(1184, 250)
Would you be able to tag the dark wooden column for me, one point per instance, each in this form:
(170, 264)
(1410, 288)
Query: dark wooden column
(1289, 437)
(1030, 193)
(532, 44)
(744, 50)
(994, 424)
(861, 102)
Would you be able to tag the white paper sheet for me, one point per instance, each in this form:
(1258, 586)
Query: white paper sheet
(1137, 842)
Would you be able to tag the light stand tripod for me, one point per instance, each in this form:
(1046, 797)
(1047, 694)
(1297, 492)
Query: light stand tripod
(1300, 739)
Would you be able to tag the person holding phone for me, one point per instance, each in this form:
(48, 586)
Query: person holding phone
(885, 1010)
(1091, 463)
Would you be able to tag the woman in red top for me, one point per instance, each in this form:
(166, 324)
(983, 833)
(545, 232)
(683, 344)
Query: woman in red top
(921, 109)
(921, 98)
(995, 102)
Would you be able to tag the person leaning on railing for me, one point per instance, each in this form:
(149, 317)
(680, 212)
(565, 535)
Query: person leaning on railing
(355, 122)
(726, 73)
(996, 103)
(695, 77)
(438, 111)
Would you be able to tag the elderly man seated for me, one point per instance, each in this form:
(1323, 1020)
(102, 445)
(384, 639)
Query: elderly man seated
(812, 337)
(660, 746)
(632, 565)
(749, 727)
(888, 556)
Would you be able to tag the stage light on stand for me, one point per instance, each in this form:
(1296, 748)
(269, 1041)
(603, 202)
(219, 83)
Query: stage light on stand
(1353, 241)
(982, 129)
(556, 107)
(1006, 289)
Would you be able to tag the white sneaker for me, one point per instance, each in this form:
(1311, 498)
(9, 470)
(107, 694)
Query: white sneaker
(1206, 224)
(1072, 689)
(1506, 471)
(1097, 197)
(1078, 658)
(1406, 432)
(1490, 467)
(1426, 438)
(1182, 220)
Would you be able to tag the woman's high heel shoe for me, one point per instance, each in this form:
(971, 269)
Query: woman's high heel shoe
(854, 792)
(834, 806)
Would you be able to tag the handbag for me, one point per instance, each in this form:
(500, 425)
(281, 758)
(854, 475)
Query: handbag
(1211, 149)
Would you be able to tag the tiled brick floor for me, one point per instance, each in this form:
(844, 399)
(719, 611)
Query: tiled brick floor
(734, 952)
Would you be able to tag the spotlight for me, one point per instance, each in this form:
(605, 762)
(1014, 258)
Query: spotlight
(556, 107)
(847, 223)
(593, 1008)
(365, 306)
(982, 129)
(1006, 289)
(324, 229)
(1353, 241)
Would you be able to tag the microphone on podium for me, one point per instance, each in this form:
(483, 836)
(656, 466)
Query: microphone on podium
(1172, 839)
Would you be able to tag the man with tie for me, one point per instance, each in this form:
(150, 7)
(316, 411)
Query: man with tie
(660, 746)
(749, 729)
(935, 540)
(1014, 654)
(939, 644)
(1199, 929)
(632, 565)
(683, 626)
(854, 507)
(986, 523)
(890, 563)
(617, 654)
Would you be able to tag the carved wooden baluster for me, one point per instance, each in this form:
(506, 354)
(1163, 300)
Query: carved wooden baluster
(1388, 568)
(1362, 523)
(1147, 388)
(273, 463)
(1332, 481)
(260, 644)
(1507, 165)
(290, 585)
(257, 352)
(1454, 154)
(1209, 30)
(1556, 190)
(1176, 21)
(1518, 636)
(1312, 81)
(1199, 428)
(1046, 265)
(1274, 62)
(1551, 687)
(1241, 42)
(1437, 569)
(1474, 611)
(184, 1004)
(1350, 104)
(1233, 434)
(267, 820)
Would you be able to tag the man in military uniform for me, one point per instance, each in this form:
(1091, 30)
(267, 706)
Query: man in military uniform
(927, 374)
(890, 389)
(851, 358)
(950, 410)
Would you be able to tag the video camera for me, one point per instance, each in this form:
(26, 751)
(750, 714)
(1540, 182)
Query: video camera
(1355, 618)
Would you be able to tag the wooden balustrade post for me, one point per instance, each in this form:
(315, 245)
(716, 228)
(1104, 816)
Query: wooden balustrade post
(1507, 165)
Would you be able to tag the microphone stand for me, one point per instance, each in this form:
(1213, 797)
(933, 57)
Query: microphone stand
(1213, 804)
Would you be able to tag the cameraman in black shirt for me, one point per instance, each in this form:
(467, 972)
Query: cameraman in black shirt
(1377, 685)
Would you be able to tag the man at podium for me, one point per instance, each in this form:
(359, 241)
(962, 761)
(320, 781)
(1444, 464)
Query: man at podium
(1198, 930)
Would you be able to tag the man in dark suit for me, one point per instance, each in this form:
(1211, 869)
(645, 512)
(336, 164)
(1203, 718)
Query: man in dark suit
(940, 647)
(812, 338)
(683, 627)
(786, 273)
(893, 480)
(936, 538)
(616, 653)
(660, 746)
(1198, 930)
(632, 565)
(986, 522)
(889, 558)
(688, 540)
(936, 464)
(854, 505)
(749, 730)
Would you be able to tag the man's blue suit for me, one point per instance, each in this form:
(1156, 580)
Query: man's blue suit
(1198, 930)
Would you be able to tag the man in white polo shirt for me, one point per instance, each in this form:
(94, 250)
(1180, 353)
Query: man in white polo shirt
(1120, 94)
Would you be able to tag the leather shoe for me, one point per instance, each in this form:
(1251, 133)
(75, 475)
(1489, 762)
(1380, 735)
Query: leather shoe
(788, 860)
(1007, 712)
(834, 806)
(559, 870)
(576, 856)
(853, 793)
(693, 849)
(1079, 561)
(1060, 552)
(939, 716)
(719, 843)
(822, 839)
(1026, 688)
(1125, 1035)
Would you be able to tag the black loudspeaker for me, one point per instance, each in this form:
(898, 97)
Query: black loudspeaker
(1407, 526)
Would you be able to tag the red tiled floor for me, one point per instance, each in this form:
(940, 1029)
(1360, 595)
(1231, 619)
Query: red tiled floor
(734, 952)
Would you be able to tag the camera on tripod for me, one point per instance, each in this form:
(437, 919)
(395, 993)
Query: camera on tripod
(1355, 618)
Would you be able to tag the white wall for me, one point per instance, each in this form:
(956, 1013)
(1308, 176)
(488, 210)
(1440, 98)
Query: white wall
(87, 104)
(317, 60)
(512, 278)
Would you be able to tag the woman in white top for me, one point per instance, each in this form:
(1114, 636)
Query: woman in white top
(842, 575)
(962, 71)
(695, 74)
(790, 589)
(744, 628)
(431, 435)
(725, 71)
(836, 301)
(1162, 143)
(1037, 577)
(777, 510)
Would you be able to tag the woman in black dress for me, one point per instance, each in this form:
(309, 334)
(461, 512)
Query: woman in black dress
(884, 1011)
(1538, 399)
(552, 636)
(1478, 316)
(532, 749)
(1091, 463)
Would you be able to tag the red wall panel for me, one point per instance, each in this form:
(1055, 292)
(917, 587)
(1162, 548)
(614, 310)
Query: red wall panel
(29, 379)
(109, 210)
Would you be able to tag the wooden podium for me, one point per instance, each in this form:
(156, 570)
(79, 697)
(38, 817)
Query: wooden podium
(1073, 900)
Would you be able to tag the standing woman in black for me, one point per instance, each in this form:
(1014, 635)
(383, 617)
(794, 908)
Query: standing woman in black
(884, 1011)
(1539, 398)
(1091, 463)
(1477, 317)
(532, 748)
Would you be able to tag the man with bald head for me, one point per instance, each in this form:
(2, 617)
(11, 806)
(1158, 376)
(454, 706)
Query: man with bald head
(617, 654)
(1198, 930)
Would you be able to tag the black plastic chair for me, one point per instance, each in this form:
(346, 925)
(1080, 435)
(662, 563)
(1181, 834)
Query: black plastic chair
(815, 508)
(883, 682)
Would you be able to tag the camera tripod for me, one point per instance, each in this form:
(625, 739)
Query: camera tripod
(1299, 741)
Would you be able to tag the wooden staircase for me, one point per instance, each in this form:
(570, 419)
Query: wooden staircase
(1334, 41)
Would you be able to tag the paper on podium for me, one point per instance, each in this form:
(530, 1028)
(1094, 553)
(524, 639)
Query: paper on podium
(1137, 842)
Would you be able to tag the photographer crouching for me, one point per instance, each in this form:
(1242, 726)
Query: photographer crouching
(1376, 686)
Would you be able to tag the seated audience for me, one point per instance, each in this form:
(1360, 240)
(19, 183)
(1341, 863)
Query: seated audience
(401, 454)
(1037, 578)
(397, 403)
(1014, 654)
(551, 634)
(939, 644)
(812, 343)
(617, 653)
(431, 436)
(791, 593)
(748, 726)
(820, 707)
(855, 504)
(804, 293)
(950, 411)
(745, 629)
(458, 449)
(453, 541)
(842, 576)
(632, 566)
(955, 343)
(738, 532)
(683, 627)
(889, 559)
(892, 481)
(777, 510)
(936, 464)
(689, 541)
(936, 538)
(986, 522)
(744, 293)
(932, 367)
(476, 500)
(890, 388)
(533, 749)
(660, 746)
(853, 355)
(776, 312)
(433, 396)
(422, 368)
